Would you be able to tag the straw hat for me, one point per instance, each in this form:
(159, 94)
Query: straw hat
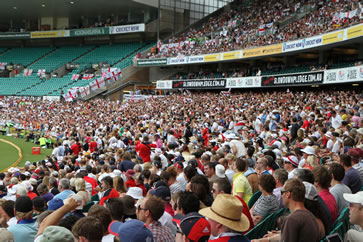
(227, 210)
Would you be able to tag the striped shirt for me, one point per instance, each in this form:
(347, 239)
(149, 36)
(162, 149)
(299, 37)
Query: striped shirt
(266, 205)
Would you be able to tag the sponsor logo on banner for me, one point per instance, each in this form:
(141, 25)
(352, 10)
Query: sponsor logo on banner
(293, 79)
(196, 59)
(266, 50)
(215, 57)
(164, 84)
(177, 60)
(302, 44)
(333, 37)
(232, 55)
(355, 32)
(342, 75)
(14, 35)
(49, 34)
(127, 29)
(200, 84)
(86, 32)
(272, 49)
(152, 62)
(243, 82)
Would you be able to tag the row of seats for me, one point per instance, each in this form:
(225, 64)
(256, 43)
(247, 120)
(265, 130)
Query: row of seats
(119, 55)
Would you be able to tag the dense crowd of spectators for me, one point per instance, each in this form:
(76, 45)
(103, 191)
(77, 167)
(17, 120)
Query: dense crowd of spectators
(258, 25)
(183, 167)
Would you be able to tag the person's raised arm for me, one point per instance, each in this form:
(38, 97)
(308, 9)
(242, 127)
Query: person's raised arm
(53, 218)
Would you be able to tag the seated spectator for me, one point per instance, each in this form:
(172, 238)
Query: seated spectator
(355, 215)
(222, 186)
(107, 189)
(150, 211)
(26, 228)
(351, 177)
(267, 203)
(104, 216)
(337, 189)
(226, 220)
(116, 208)
(322, 182)
(43, 191)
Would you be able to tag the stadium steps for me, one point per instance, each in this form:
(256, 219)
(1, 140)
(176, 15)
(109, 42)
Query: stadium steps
(2, 51)
(35, 61)
(85, 53)
(30, 87)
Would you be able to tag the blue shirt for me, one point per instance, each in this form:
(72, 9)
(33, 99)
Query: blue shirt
(352, 180)
(63, 195)
(24, 232)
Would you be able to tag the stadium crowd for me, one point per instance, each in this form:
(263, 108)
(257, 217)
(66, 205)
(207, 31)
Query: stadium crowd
(186, 167)
(260, 24)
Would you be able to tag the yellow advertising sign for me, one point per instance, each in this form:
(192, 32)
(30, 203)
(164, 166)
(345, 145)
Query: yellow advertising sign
(266, 50)
(232, 55)
(355, 32)
(252, 52)
(48, 34)
(215, 57)
(332, 38)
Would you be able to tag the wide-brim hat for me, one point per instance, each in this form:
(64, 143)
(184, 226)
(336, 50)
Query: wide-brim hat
(227, 210)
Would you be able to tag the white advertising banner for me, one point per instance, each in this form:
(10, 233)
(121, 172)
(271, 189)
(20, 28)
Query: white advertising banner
(350, 74)
(164, 84)
(302, 44)
(123, 29)
(244, 82)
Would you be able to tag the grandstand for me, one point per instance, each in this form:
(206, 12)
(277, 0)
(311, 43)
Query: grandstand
(214, 97)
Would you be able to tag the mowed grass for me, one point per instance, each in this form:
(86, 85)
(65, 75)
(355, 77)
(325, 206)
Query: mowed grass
(8, 155)
(11, 153)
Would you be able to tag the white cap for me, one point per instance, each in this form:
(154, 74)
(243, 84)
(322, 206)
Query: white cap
(135, 193)
(308, 150)
(78, 198)
(220, 171)
(354, 198)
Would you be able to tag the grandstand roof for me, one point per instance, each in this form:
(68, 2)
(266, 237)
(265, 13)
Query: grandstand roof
(57, 8)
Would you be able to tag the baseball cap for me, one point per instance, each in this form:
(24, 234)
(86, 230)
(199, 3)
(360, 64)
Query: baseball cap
(195, 226)
(130, 173)
(354, 198)
(163, 192)
(130, 231)
(23, 204)
(55, 203)
(310, 192)
(56, 233)
(179, 165)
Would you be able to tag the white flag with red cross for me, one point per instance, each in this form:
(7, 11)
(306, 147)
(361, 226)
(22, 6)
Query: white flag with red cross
(28, 72)
(75, 77)
(41, 73)
(98, 83)
(70, 95)
(87, 77)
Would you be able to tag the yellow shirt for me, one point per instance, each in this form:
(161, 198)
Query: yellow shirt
(241, 184)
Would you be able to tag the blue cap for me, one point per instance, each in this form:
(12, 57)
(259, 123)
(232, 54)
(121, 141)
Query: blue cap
(130, 231)
(54, 204)
(162, 192)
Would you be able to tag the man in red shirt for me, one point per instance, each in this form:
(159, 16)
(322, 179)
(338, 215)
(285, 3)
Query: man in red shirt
(75, 148)
(108, 190)
(144, 149)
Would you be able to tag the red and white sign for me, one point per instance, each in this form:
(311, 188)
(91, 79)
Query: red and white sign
(70, 95)
(87, 77)
(41, 73)
(98, 83)
(28, 72)
(75, 77)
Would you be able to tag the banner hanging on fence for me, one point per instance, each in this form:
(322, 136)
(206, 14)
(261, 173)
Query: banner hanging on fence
(293, 79)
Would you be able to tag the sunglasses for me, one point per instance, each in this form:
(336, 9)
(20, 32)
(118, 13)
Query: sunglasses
(140, 208)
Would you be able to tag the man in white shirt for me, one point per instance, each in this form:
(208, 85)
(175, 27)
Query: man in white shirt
(336, 120)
